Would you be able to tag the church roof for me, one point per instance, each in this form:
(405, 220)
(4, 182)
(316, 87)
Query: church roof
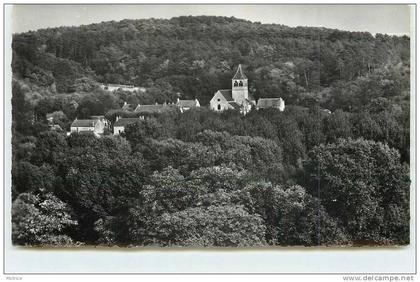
(227, 93)
(235, 105)
(239, 74)
(269, 103)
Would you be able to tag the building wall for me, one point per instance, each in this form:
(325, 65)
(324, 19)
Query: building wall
(99, 127)
(240, 93)
(118, 130)
(282, 105)
(77, 129)
(219, 100)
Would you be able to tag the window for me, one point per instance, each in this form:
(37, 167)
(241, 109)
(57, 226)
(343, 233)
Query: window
(240, 83)
(219, 107)
(218, 100)
(236, 83)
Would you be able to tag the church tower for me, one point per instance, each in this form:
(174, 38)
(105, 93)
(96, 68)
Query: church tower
(240, 87)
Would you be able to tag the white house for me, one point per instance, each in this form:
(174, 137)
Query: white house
(185, 105)
(101, 118)
(95, 126)
(276, 103)
(236, 98)
(121, 124)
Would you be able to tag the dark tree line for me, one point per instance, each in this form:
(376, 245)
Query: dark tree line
(197, 55)
(204, 179)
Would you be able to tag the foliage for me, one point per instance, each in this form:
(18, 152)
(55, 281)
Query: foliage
(201, 178)
(365, 186)
(41, 219)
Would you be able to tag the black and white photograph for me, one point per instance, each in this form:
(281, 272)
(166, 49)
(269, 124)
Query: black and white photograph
(208, 127)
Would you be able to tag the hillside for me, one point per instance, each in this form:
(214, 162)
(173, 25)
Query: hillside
(197, 55)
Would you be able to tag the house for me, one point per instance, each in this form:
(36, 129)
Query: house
(50, 118)
(154, 109)
(127, 107)
(101, 118)
(121, 124)
(88, 125)
(113, 87)
(236, 98)
(185, 105)
(266, 103)
(56, 127)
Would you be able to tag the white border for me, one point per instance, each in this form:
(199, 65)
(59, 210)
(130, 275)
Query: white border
(295, 260)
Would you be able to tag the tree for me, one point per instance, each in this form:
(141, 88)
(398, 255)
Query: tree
(216, 226)
(137, 133)
(100, 178)
(364, 185)
(337, 125)
(292, 216)
(31, 178)
(41, 220)
(50, 148)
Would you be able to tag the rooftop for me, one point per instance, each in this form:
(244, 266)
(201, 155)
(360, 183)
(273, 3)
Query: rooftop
(239, 74)
(84, 123)
(187, 103)
(269, 102)
(235, 105)
(227, 93)
(153, 109)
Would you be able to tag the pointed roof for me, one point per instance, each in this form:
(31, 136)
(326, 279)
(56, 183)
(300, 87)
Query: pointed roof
(239, 74)
(226, 93)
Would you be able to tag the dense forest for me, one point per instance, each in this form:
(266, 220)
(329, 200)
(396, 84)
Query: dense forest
(333, 168)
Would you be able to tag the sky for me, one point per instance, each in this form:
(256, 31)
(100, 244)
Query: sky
(389, 19)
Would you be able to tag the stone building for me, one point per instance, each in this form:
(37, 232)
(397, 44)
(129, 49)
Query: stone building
(95, 126)
(236, 98)
(276, 103)
(185, 105)
(121, 124)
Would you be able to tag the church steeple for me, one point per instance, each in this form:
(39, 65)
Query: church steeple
(239, 86)
(239, 74)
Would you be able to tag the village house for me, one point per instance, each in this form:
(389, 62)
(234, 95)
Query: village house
(121, 124)
(102, 119)
(96, 126)
(154, 109)
(50, 118)
(236, 98)
(128, 107)
(185, 105)
(272, 103)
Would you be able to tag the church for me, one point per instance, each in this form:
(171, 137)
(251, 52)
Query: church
(239, 99)
(236, 98)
